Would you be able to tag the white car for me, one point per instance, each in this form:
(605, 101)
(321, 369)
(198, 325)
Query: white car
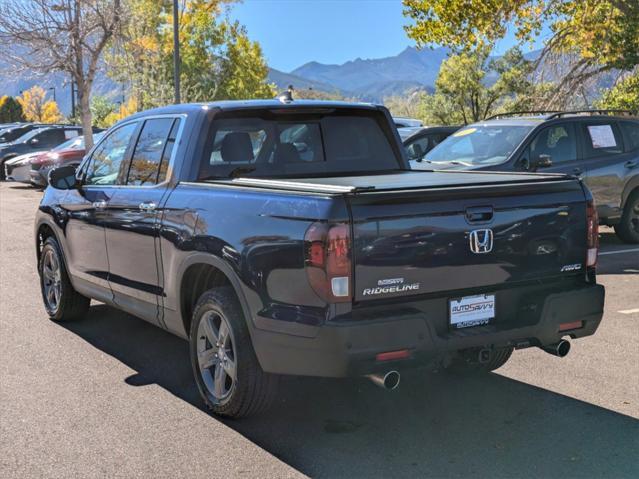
(18, 168)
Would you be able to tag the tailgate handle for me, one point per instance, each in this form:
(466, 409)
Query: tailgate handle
(479, 214)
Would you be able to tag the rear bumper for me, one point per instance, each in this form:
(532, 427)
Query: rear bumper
(349, 349)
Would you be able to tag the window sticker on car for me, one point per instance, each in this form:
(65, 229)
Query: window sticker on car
(68, 134)
(465, 132)
(602, 136)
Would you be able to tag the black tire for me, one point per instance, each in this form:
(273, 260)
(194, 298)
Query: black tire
(253, 390)
(70, 305)
(628, 228)
(2, 162)
(467, 361)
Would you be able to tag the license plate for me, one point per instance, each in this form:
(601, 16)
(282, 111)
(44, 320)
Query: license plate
(471, 310)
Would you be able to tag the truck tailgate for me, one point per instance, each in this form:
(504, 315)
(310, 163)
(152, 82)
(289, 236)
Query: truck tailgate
(412, 241)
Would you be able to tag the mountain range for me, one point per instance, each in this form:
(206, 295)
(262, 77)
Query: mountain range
(361, 79)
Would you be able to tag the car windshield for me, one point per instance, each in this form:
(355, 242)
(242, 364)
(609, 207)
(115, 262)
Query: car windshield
(478, 145)
(299, 144)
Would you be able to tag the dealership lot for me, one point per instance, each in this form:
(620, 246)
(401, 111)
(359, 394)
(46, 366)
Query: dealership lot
(113, 396)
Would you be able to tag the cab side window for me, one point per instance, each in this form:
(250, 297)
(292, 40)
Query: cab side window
(602, 139)
(150, 157)
(558, 142)
(107, 164)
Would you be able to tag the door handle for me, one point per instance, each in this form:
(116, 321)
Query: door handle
(100, 205)
(150, 206)
(630, 164)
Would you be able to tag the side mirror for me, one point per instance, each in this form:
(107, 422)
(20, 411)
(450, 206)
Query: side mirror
(542, 161)
(63, 178)
(34, 141)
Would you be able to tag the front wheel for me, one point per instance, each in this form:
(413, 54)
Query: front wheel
(628, 228)
(61, 300)
(227, 372)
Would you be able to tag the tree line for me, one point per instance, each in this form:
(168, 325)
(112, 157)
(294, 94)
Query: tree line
(132, 41)
(588, 41)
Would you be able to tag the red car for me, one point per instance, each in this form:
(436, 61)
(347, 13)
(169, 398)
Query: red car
(68, 153)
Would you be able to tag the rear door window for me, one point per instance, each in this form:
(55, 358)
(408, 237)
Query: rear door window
(558, 141)
(149, 152)
(601, 139)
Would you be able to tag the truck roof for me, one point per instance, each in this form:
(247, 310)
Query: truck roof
(253, 104)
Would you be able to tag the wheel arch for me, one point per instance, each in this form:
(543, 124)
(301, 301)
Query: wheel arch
(630, 188)
(200, 272)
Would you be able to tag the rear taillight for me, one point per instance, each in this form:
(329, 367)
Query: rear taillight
(328, 260)
(592, 234)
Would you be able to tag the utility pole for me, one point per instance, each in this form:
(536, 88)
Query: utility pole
(176, 52)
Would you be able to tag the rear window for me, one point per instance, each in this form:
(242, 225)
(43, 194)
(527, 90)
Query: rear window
(602, 139)
(299, 144)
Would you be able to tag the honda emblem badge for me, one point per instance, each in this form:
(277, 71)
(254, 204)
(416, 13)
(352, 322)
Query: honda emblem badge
(481, 241)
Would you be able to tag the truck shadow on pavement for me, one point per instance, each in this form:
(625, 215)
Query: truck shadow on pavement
(433, 425)
(625, 262)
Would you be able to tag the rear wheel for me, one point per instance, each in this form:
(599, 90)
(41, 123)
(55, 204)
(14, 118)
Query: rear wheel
(62, 302)
(470, 361)
(227, 373)
(628, 228)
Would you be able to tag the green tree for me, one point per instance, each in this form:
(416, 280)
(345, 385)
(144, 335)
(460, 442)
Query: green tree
(600, 35)
(218, 61)
(471, 86)
(624, 95)
(244, 69)
(101, 109)
(10, 110)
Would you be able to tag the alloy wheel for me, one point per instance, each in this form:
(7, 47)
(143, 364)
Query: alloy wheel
(216, 356)
(52, 280)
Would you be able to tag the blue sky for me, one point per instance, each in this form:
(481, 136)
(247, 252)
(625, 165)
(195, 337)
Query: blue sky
(293, 32)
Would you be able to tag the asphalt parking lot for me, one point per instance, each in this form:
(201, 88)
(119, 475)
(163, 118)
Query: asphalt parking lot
(112, 396)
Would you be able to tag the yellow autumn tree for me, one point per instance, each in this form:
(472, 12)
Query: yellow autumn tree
(37, 108)
(126, 109)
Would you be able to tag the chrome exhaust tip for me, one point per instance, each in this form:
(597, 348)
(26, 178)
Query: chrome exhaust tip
(388, 381)
(560, 349)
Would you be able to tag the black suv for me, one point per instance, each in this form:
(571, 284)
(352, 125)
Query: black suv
(600, 146)
(39, 139)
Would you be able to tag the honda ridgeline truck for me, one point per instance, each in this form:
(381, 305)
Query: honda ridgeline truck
(291, 237)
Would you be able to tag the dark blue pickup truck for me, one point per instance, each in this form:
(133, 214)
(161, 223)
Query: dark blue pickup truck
(291, 237)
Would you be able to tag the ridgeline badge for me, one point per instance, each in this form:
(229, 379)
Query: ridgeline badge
(393, 285)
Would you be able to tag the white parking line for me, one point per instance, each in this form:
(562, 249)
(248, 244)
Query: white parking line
(636, 250)
(630, 311)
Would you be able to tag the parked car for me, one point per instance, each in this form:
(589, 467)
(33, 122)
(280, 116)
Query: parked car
(600, 148)
(68, 153)
(19, 169)
(14, 131)
(291, 237)
(419, 141)
(39, 139)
